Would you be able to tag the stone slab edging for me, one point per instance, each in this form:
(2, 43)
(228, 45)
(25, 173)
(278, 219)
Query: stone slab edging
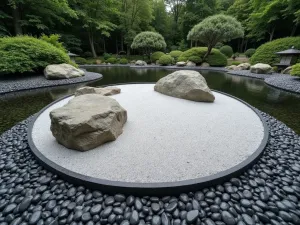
(35, 82)
(157, 189)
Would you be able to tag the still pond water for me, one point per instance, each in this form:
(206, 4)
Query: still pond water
(282, 105)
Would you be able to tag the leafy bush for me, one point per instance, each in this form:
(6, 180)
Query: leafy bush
(195, 59)
(106, 56)
(219, 45)
(165, 60)
(250, 52)
(123, 61)
(217, 59)
(28, 54)
(87, 55)
(80, 60)
(227, 50)
(266, 52)
(236, 63)
(148, 41)
(112, 60)
(182, 59)
(54, 40)
(155, 56)
(296, 70)
(91, 61)
(175, 54)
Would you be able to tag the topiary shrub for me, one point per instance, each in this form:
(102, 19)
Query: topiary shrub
(106, 56)
(250, 52)
(296, 70)
(195, 59)
(80, 60)
(182, 59)
(227, 50)
(217, 59)
(123, 61)
(266, 52)
(175, 54)
(28, 54)
(155, 56)
(165, 60)
(236, 63)
(112, 60)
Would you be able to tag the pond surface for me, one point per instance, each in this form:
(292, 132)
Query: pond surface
(282, 105)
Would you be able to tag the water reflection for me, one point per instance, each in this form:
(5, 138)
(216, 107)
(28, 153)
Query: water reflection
(280, 104)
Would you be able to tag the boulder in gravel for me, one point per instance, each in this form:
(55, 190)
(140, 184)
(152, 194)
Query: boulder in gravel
(190, 64)
(106, 91)
(244, 66)
(186, 84)
(205, 64)
(88, 121)
(62, 71)
(180, 64)
(287, 70)
(261, 68)
(140, 63)
(232, 67)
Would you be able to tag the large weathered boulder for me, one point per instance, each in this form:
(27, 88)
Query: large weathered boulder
(244, 66)
(190, 64)
(261, 68)
(287, 70)
(140, 63)
(186, 84)
(107, 91)
(232, 67)
(88, 121)
(180, 64)
(62, 71)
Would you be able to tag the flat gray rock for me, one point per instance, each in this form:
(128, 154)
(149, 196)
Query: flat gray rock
(88, 121)
(62, 71)
(186, 84)
(261, 68)
(107, 91)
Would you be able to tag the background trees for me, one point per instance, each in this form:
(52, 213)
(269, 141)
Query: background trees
(92, 27)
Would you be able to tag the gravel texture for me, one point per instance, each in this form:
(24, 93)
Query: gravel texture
(13, 84)
(268, 193)
(182, 133)
(247, 73)
(285, 82)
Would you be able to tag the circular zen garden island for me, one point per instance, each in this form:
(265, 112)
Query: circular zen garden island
(166, 142)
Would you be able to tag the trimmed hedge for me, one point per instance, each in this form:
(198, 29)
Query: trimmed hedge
(106, 56)
(155, 56)
(112, 60)
(80, 60)
(216, 58)
(175, 54)
(296, 70)
(266, 52)
(227, 50)
(250, 52)
(28, 54)
(123, 61)
(195, 59)
(165, 60)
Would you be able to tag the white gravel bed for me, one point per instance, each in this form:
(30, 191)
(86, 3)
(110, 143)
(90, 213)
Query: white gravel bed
(165, 139)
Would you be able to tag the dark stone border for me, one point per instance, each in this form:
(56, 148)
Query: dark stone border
(39, 81)
(157, 189)
(284, 82)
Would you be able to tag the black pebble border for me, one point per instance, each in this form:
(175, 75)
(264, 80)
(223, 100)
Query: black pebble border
(39, 81)
(268, 193)
(247, 73)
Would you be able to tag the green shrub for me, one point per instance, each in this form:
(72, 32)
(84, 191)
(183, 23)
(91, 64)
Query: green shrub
(227, 50)
(155, 56)
(106, 56)
(217, 59)
(195, 59)
(250, 52)
(123, 61)
(54, 40)
(28, 54)
(112, 60)
(219, 45)
(175, 54)
(266, 52)
(296, 70)
(182, 59)
(165, 60)
(80, 60)
(236, 63)
(91, 61)
(87, 55)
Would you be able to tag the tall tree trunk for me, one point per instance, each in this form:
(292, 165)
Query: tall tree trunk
(17, 18)
(128, 50)
(91, 40)
(191, 43)
(272, 33)
(117, 48)
(246, 45)
(294, 30)
(122, 43)
(104, 45)
(208, 52)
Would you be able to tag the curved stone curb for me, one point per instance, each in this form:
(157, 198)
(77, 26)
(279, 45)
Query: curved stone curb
(158, 189)
(41, 82)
